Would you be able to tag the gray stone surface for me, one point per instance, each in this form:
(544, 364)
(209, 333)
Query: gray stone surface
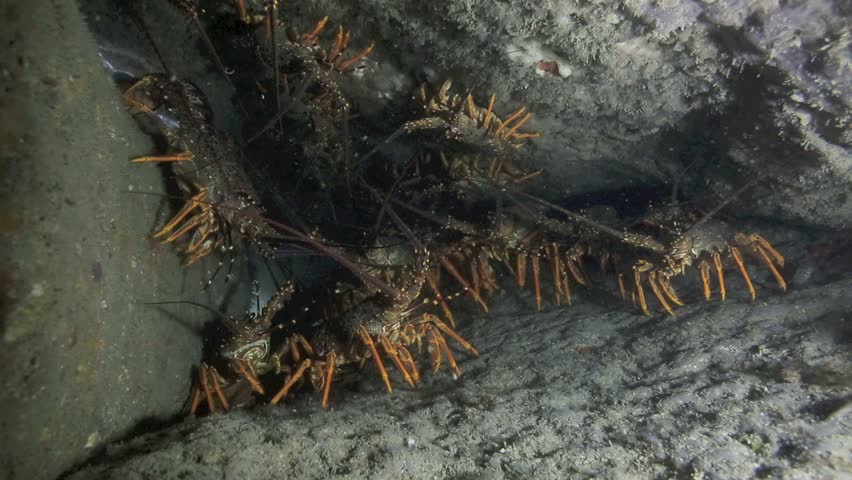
(84, 361)
(733, 390)
(733, 89)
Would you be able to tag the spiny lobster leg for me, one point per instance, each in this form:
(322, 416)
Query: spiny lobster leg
(489, 113)
(522, 269)
(392, 353)
(557, 274)
(515, 128)
(637, 277)
(739, 259)
(452, 333)
(474, 277)
(446, 349)
(433, 284)
(291, 380)
(193, 222)
(406, 357)
(509, 120)
(241, 10)
(176, 157)
(566, 286)
(536, 267)
(669, 290)
(214, 376)
(203, 252)
(455, 273)
(246, 372)
(652, 280)
(208, 392)
(198, 243)
(435, 350)
(294, 350)
(196, 400)
(779, 259)
(575, 270)
(778, 278)
(190, 205)
(305, 344)
(368, 340)
(352, 61)
(717, 261)
(704, 272)
(311, 38)
(621, 287)
(328, 378)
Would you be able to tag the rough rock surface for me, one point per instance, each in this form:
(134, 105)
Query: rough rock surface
(84, 361)
(631, 93)
(733, 390)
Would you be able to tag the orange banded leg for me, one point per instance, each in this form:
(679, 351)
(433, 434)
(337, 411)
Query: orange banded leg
(704, 272)
(246, 372)
(516, 126)
(196, 400)
(739, 259)
(193, 222)
(509, 120)
(621, 287)
(474, 277)
(208, 392)
(536, 267)
(340, 44)
(305, 344)
(717, 261)
(406, 357)
(352, 61)
(669, 290)
(471, 107)
(557, 275)
(291, 380)
(175, 157)
(452, 333)
(329, 367)
(528, 176)
(566, 287)
(208, 227)
(214, 376)
(188, 207)
(368, 340)
(779, 259)
(486, 121)
(445, 307)
(637, 277)
(446, 349)
(522, 269)
(435, 350)
(778, 278)
(652, 280)
(312, 37)
(294, 349)
(575, 270)
(394, 355)
(455, 273)
(132, 101)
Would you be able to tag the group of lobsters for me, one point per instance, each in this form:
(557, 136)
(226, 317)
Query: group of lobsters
(409, 235)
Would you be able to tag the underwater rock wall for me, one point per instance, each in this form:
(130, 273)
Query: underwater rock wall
(631, 93)
(84, 359)
(724, 390)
